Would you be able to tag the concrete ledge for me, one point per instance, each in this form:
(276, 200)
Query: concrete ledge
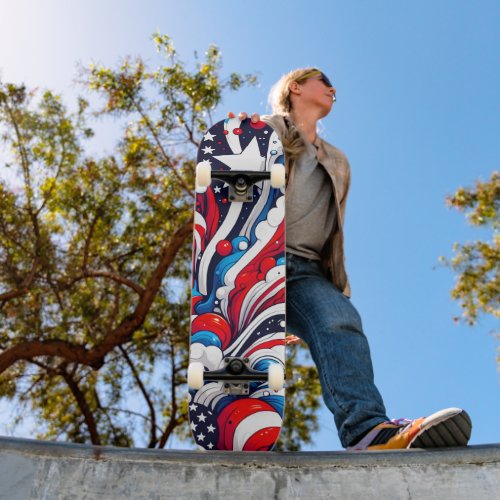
(37, 469)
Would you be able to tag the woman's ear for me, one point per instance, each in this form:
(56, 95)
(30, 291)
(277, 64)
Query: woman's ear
(294, 88)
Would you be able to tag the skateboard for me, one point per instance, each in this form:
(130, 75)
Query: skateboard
(237, 343)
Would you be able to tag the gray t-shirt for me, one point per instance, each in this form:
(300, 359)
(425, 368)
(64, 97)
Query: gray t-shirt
(310, 207)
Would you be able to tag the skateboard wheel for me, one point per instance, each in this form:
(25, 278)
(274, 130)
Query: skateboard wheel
(276, 377)
(195, 375)
(278, 176)
(203, 174)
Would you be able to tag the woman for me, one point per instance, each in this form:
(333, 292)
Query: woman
(319, 310)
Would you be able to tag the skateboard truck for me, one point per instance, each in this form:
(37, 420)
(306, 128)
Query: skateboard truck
(240, 182)
(236, 375)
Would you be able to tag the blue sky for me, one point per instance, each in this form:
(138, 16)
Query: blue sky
(418, 115)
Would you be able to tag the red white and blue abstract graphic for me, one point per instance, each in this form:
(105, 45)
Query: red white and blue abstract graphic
(238, 289)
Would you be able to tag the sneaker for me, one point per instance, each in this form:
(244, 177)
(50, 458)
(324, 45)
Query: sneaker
(450, 427)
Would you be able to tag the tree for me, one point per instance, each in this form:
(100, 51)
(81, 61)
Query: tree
(95, 254)
(477, 264)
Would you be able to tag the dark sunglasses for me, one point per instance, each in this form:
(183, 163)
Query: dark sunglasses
(323, 78)
(316, 72)
(326, 80)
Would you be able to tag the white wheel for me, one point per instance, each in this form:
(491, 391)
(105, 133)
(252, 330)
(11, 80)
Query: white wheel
(276, 377)
(195, 375)
(203, 174)
(278, 178)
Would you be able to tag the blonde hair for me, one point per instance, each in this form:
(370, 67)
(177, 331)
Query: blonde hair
(279, 96)
(281, 104)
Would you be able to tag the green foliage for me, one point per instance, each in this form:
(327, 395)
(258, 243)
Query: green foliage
(302, 401)
(95, 254)
(476, 263)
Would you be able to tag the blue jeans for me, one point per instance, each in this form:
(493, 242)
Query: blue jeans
(318, 313)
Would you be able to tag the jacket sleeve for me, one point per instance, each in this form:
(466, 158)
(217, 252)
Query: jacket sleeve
(347, 185)
(277, 122)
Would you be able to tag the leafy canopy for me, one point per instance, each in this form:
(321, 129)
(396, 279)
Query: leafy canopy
(476, 264)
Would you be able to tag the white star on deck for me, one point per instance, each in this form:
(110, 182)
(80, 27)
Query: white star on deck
(248, 159)
(200, 436)
(204, 162)
(208, 137)
(208, 150)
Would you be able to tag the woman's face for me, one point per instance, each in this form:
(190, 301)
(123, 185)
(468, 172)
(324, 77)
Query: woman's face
(316, 92)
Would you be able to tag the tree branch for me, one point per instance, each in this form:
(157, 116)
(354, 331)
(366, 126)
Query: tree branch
(27, 177)
(114, 277)
(93, 224)
(153, 440)
(24, 288)
(160, 146)
(82, 404)
(122, 333)
(51, 189)
(173, 421)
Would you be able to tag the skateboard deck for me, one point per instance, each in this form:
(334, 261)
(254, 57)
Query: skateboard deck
(238, 290)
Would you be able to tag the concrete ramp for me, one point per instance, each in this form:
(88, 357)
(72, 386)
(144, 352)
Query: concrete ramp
(43, 470)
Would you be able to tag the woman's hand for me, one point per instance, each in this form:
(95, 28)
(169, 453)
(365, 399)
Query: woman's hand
(292, 340)
(255, 117)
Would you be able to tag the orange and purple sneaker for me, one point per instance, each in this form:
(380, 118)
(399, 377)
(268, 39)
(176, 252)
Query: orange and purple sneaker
(450, 427)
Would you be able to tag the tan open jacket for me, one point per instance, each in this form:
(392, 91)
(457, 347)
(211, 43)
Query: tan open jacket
(337, 166)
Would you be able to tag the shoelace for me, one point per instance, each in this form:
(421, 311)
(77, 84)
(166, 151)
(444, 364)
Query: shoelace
(401, 423)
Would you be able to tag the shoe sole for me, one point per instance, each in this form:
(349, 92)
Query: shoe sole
(451, 427)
